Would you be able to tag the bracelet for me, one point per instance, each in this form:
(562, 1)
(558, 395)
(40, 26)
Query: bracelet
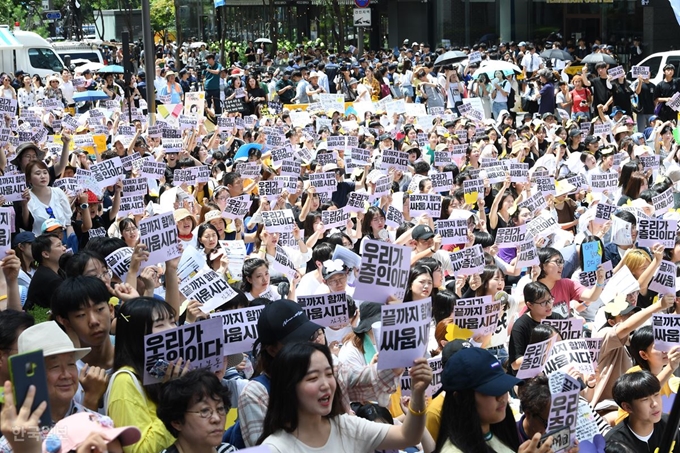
(599, 285)
(416, 413)
(433, 250)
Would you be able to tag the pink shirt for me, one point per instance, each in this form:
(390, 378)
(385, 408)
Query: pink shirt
(564, 291)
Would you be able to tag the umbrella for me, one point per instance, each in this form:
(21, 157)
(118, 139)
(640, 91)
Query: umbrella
(77, 61)
(452, 56)
(557, 54)
(264, 40)
(92, 66)
(197, 45)
(112, 69)
(243, 151)
(90, 95)
(599, 57)
(489, 67)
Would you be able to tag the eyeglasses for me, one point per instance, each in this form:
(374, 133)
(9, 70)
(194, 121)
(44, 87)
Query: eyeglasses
(108, 273)
(559, 262)
(341, 279)
(130, 230)
(545, 303)
(208, 412)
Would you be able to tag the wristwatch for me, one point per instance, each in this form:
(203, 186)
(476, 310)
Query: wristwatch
(83, 206)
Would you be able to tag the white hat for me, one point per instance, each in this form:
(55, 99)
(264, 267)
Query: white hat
(49, 337)
(313, 74)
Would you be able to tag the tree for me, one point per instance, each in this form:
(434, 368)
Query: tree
(162, 17)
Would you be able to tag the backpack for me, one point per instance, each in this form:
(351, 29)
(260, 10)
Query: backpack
(384, 90)
(233, 435)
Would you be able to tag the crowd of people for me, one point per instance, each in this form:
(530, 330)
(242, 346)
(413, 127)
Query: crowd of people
(564, 214)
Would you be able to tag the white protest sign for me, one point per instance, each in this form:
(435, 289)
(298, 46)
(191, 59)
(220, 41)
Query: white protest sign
(159, 234)
(271, 189)
(249, 169)
(640, 71)
(323, 182)
(663, 202)
(356, 202)
(527, 255)
(119, 262)
(442, 182)
(589, 279)
(510, 236)
(327, 310)
(602, 129)
(6, 227)
(663, 281)
(135, 187)
(131, 204)
(567, 353)
(452, 231)
(200, 342)
(569, 329)
(430, 204)
(475, 57)
(519, 172)
(534, 203)
(545, 185)
(384, 271)
(666, 331)
(656, 231)
(240, 328)
(279, 221)
(542, 226)
(208, 288)
(335, 219)
(616, 72)
(86, 181)
(404, 333)
(12, 186)
(393, 217)
(534, 358)
(191, 262)
(468, 261)
(604, 212)
(152, 169)
(437, 368)
(237, 207)
(68, 185)
(394, 159)
(478, 314)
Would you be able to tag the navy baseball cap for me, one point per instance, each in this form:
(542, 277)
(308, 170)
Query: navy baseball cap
(23, 237)
(476, 369)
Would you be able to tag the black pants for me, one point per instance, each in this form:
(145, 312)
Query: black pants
(213, 96)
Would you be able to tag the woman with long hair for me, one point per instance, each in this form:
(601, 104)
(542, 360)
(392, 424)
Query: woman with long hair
(129, 231)
(420, 283)
(42, 202)
(305, 407)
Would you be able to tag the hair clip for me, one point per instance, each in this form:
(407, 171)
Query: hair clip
(126, 318)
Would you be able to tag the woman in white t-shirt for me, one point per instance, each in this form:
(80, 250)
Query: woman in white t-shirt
(255, 282)
(500, 90)
(312, 416)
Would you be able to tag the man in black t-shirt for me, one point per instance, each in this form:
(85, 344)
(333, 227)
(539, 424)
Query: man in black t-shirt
(600, 86)
(665, 91)
(250, 52)
(233, 56)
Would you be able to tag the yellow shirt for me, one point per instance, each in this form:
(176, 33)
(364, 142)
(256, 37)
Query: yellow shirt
(128, 407)
(433, 416)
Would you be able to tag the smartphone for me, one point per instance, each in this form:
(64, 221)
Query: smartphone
(29, 369)
(159, 369)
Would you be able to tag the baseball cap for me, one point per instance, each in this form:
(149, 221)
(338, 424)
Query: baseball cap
(616, 110)
(70, 432)
(91, 197)
(591, 139)
(574, 132)
(23, 237)
(369, 312)
(423, 232)
(284, 321)
(333, 267)
(614, 309)
(476, 369)
(50, 225)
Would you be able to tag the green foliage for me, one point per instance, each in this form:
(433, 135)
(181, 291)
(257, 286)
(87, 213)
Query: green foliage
(162, 15)
(40, 314)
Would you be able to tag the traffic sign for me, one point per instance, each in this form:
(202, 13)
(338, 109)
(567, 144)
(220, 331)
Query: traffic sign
(52, 15)
(362, 17)
(362, 3)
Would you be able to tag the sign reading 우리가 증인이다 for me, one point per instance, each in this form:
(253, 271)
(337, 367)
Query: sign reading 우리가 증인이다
(393, 217)
(542, 226)
(8, 107)
(429, 203)
(335, 219)
(666, 329)
(208, 288)
(324, 182)
(279, 221)
(510, 236)
(356, 201)
(656, 231)
(240, 328)
(589, 279)
(468, 261)
(404, 333)
(159, 234)
(442, 182)
(384, 271)
(534, 358)
(478, 314)
(452, 231)
(603, 212)
(569, 329)
(12, 186)
(237, 207)
(327, 310)
(664, 280)
(202, 343)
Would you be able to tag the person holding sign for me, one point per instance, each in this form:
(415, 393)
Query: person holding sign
(40, 201)
(476, 415)
(313, 415)
(126, 401)
(255, 282)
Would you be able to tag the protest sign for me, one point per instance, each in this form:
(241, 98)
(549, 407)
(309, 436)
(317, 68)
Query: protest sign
(131, 204)
(569, 329)
(271, 189)
(663, 202)
(191, 262)
(640, 71)
(442, 158)
(236, 252)
(600, 182)
(586, 427)
(278, 221)
(589, 279)
(666, 331)
(323, 182)
(335, 219)
(119, 262)
(663, 281)
(86, 181)
(393, 217)
(283, 153)
(656, 231)
(510, 236)
(68, 185)
(616, 72)
(475, 57)
(208, 288)
(650, 162)
(357, 201)
(603, 212)
(527, 255)
(468, 261)
(568, 353)
(495, 171)
(237, 208)
(442, 182)
(534, 203)
(437, 368)
(519, 172)
(135, 187)
(152, 169)
(384, 271)
(383, 186)
(249, 169)
(201, 343)
(478, 314)
(430, 204)
(542, 226)
(534, 358)
(602, 129)
(12, 186)
(361, 157)
(6, 227)
(159, 234)
(404, 333)
(327, 310)
(545, 185)
(563, 415)
(452, 231)
(288, 183)
(8, 107)
(240, 328)
(394, 159)
(592, 253)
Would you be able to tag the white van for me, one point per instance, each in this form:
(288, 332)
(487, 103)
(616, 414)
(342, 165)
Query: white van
(657, 61)
(79, 50)
(27, 51)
